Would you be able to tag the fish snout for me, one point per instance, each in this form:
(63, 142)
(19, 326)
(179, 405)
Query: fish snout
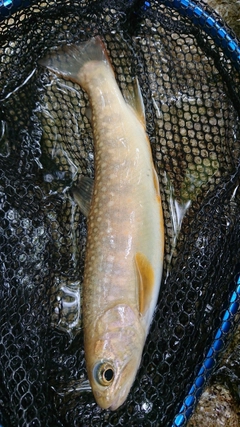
(115, 394)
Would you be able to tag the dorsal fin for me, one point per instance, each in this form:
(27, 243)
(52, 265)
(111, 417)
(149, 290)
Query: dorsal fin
(83, 193)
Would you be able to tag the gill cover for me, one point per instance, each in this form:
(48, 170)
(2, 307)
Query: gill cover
(113, 360)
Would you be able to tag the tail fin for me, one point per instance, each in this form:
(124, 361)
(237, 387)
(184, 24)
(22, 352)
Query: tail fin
(67, 61)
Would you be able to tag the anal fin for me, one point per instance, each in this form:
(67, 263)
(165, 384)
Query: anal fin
(135, 99)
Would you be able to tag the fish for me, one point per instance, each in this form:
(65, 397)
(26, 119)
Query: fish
(125, 224)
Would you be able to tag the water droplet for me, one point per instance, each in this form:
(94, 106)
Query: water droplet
(147, 406)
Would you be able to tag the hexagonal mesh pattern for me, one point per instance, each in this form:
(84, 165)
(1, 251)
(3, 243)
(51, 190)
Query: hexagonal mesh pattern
(191, 96)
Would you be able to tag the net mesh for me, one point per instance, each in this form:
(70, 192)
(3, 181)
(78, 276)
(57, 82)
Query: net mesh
(191, 96)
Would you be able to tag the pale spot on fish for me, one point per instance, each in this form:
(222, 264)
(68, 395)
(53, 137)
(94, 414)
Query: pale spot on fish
(111, 203)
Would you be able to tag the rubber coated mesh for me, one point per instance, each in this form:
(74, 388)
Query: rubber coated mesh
(191, 97)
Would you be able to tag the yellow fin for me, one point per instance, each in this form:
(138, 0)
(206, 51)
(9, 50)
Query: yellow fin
(139, 104)
(146, 281)
(155, 181)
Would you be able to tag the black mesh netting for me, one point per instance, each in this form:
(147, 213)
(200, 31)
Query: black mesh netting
(191, 97)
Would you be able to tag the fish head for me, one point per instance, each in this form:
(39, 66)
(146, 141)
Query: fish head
(114, 357)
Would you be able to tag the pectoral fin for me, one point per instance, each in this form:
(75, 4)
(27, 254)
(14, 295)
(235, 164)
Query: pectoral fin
(83, 194)
(146, 281)
(139, 104)
(155, 181)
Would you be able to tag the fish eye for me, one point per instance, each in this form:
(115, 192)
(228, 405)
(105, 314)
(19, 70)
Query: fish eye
(104, 373)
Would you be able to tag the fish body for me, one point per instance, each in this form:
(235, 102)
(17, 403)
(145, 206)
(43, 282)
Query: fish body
(125, 244)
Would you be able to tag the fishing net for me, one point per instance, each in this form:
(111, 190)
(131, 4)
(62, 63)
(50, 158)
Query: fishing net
(190, 87)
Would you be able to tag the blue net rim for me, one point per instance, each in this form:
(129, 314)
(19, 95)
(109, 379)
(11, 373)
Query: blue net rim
(188, 8)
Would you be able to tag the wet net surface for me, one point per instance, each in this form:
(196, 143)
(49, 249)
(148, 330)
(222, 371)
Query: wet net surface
(191, 97)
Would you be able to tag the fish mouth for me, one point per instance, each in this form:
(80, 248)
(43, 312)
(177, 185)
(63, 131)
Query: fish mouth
(114, 398)
(114, 395)
(114, 407)
(111, 402)
(121, 397)
(117, 403)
